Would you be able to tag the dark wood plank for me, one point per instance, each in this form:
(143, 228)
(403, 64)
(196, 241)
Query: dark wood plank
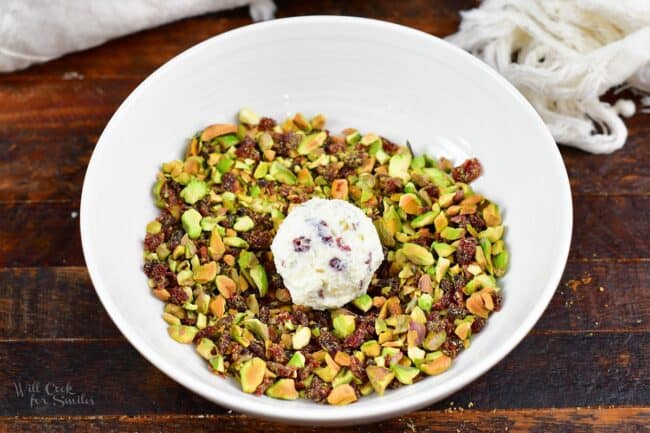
(48, 303)
(611, 227)
(56, 122)
(31, 294)
(139, 54)
(600, 297)
(42, 234)
(593, 420)
(555, 370)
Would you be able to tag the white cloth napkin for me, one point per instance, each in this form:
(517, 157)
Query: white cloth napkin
(563, 55)
(34, 31)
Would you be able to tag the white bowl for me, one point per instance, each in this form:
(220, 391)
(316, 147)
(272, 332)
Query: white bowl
(379, 77)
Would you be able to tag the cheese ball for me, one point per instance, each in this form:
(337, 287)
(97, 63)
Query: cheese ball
(326, 252)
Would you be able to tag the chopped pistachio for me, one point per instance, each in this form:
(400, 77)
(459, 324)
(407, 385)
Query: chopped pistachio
(438, 365)
(417, 254)
(194, 191)
(405, 374)
(398, 166)
(443, 249)
(311, 142)
(343, 325)
(284, 389)
(341, 395)
(297, 360)
(249, 117)
(301, 337)
(380, 378)
(182, 333)
(191, 221)
(154, 227)
(370, 348)
(205, 348)
(363, 302)
(244, 224)
(452, 234)
(251, 374)
(282, 174)
(500, 263)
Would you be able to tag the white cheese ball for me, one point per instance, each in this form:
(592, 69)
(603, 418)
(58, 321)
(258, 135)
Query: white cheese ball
(327, 252)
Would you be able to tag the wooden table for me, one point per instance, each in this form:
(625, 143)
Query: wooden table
(584, 367)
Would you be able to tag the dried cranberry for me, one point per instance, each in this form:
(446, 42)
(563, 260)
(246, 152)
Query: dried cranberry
(467, 171)
(230, 182)
(337, 264)
(266, 124)
(151, 242)
(177, 295)
(248, 149)
(465, 251)
(301, 244)
(324, 232)
(342, 245)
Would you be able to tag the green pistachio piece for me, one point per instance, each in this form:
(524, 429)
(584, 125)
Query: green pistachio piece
(251, 374)
(439, 364)
(424, 220)
(260, 280)
(501, 263)
(301, 337)
(382, 157)
(261, 330)
(205, 273)
(194, 191)
(185, 277)
(434, 340)
(370, 348)
(225, 164)
(249, 117)
(478, 282)
(234, 241)
(498, 247)
(311, 142)
(418, 162)
(329, 371)
(492, 233)
(438, 177)
(217, 364)
(344, 376)
(363, 302)
(392, 220)
(491, 215)
(297, 360)
(380, 378)
(405, 374)
(209, 223)
(417, 254)
(282, 174)
(353, 138)
(162, 251)
(205, 348)
(452, 234)
(416, 355)
(284, 389)
(191, 220)
(154, 227)
(227, 141)
(442, 265)
(344, 325)
(417, 314)
(261, 170)
(398, 166)
(486, 249)
(156, 191)
(243, 224)
(443, 250)
(182, 333)
(425, 301)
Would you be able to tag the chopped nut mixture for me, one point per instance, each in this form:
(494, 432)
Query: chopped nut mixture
(208, 258)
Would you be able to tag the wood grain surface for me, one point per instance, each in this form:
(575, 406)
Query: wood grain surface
(583, 368)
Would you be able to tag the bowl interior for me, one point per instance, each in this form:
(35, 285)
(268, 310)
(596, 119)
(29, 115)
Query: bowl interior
(378, 77)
